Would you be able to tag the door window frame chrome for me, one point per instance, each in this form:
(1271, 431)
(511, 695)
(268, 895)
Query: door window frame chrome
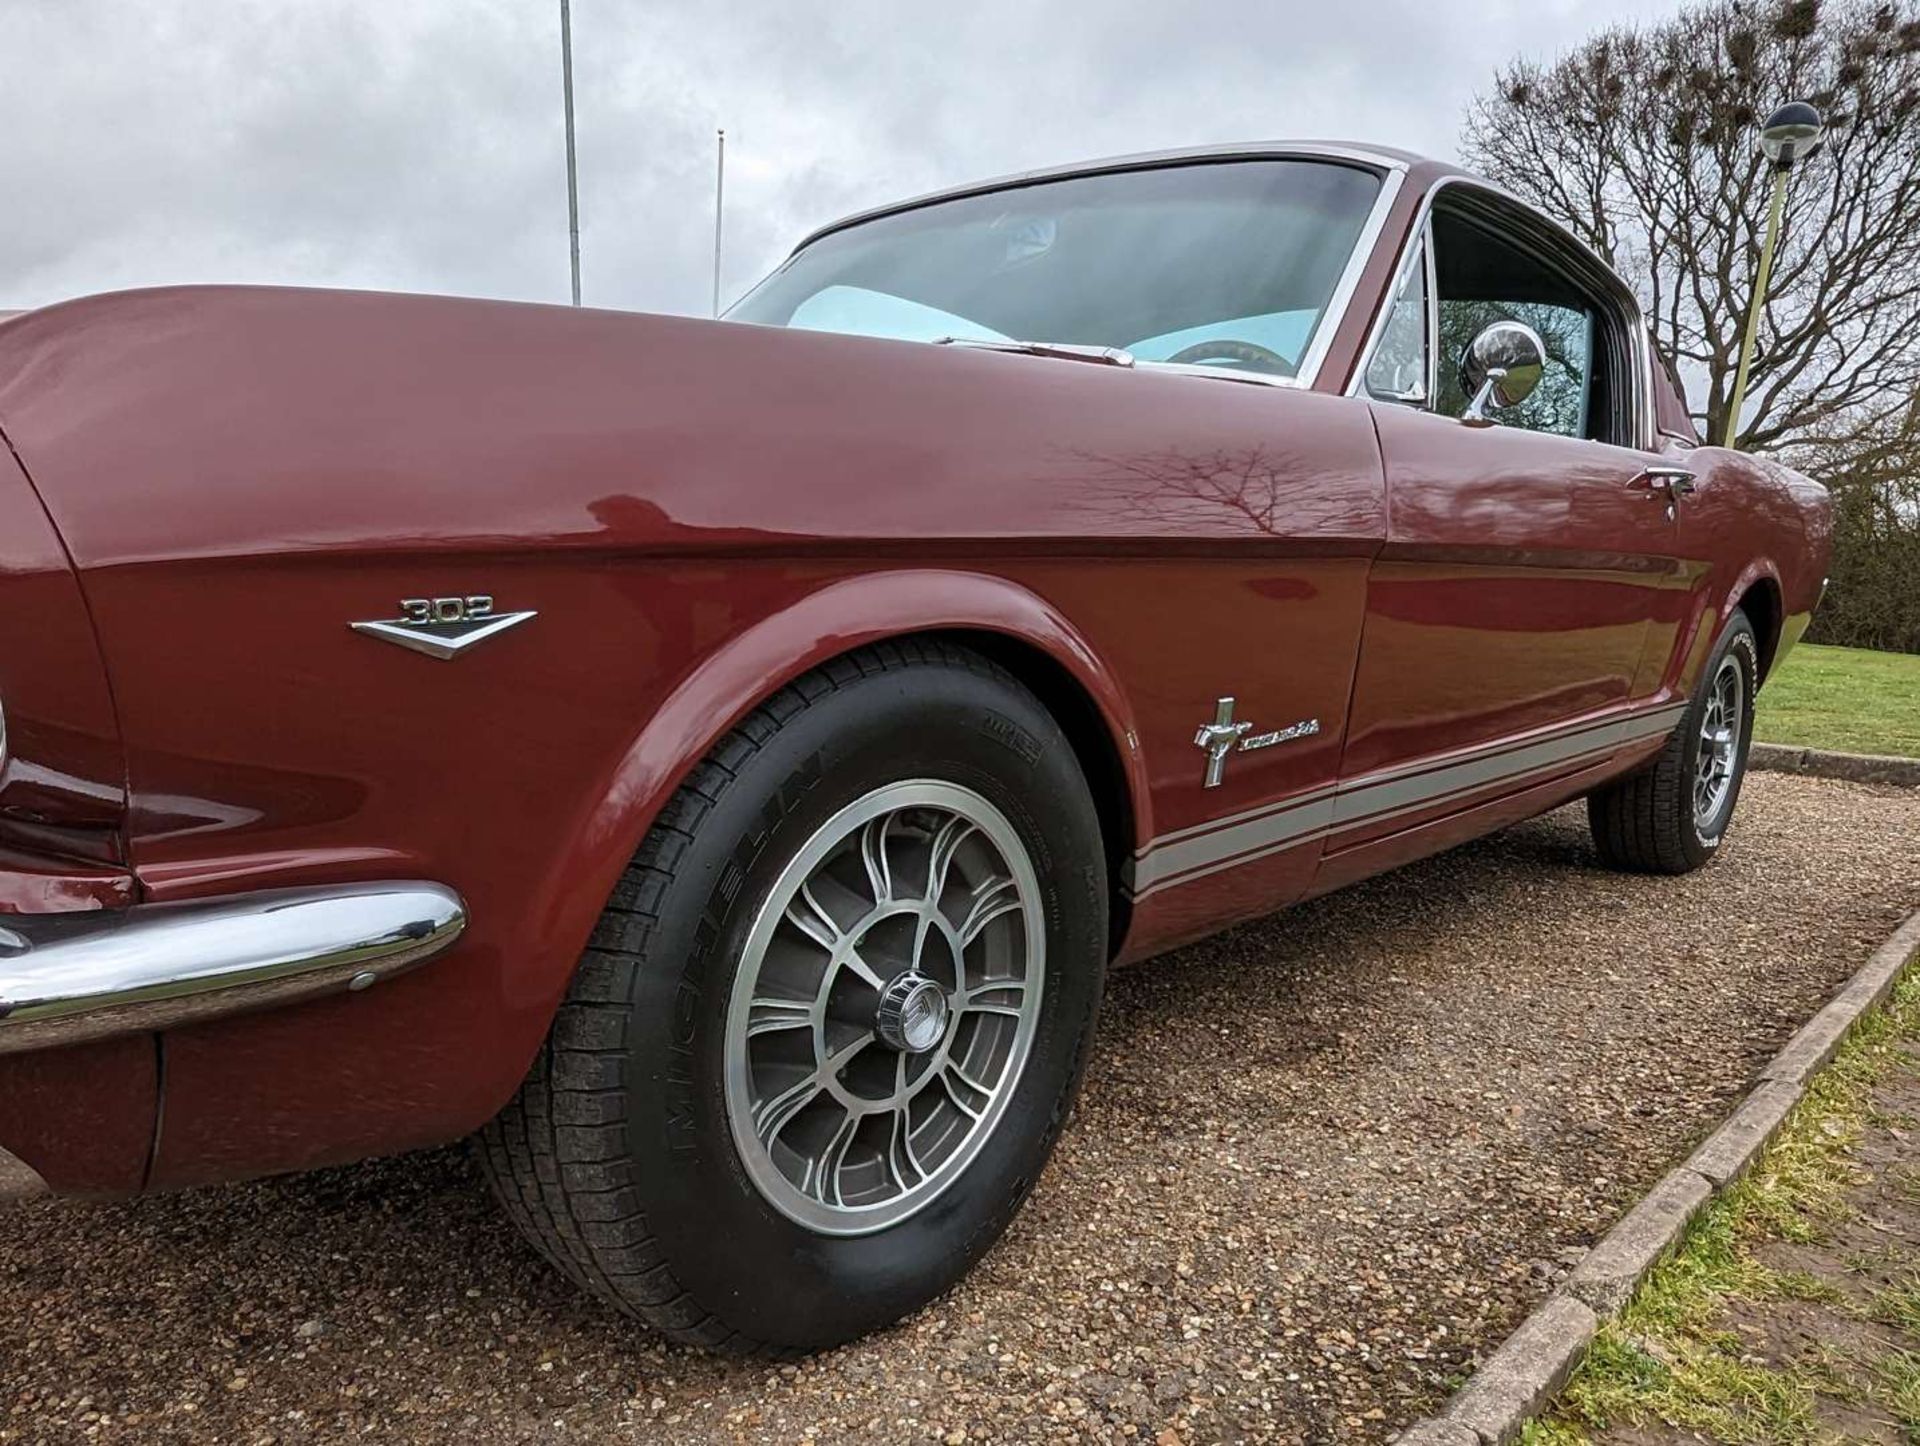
(1421, 257)
(1419, 239)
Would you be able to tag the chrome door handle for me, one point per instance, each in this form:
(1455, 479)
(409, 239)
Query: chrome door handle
(1676, 482)
(1667, 482)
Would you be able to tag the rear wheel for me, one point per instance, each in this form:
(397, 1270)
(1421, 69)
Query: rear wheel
(1671, 816)
(834, 1016)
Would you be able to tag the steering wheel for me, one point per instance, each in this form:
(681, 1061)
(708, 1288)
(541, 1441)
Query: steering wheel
(1225, 348)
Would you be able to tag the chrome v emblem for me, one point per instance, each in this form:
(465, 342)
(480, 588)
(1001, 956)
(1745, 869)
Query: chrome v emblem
(443, 627)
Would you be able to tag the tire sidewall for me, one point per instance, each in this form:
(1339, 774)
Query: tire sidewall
(1739, 642)
(729, 1248)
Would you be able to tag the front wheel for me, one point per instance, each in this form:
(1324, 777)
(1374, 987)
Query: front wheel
(833, 1019)
(1670, 817)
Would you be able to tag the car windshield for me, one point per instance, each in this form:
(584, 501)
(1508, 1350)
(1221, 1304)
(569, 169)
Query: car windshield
(1229, 264)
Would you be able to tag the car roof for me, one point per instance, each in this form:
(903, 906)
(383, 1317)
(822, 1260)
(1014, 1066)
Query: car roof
(1423, 169)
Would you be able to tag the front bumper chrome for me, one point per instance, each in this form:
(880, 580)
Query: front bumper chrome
(66, 978)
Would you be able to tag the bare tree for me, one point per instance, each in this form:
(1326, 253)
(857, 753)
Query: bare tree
(1644, 142)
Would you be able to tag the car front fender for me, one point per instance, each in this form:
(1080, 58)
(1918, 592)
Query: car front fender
(845, 614)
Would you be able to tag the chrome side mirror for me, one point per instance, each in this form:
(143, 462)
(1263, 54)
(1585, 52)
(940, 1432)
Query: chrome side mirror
(1500, 368)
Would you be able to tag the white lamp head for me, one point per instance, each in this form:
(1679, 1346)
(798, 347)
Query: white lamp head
(1792, 133)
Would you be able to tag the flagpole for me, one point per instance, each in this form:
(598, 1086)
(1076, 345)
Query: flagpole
(719, 200)
(573, 184)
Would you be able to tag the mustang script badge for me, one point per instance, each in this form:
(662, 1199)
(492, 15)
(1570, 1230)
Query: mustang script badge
(442, 627)
(1223, 736)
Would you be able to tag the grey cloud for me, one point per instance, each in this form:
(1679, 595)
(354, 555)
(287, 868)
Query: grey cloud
(418, 145)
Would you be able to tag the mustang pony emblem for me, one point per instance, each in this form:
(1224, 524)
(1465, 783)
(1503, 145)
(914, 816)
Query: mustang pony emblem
(442, 627)
(1223, 736)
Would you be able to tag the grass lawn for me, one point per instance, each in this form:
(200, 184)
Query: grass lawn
(1844, 698)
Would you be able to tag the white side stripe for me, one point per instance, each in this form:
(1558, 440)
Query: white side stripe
(1364, 797)
(1241, 838)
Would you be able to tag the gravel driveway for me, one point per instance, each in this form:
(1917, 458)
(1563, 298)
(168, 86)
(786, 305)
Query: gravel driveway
(1320, 1162)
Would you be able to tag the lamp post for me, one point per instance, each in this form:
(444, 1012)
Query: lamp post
(1790, 135)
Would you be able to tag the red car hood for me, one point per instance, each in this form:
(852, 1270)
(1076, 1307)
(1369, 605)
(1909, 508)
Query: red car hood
(232, 421)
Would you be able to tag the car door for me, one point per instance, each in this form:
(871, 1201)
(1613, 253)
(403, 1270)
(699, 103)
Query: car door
(1507, 626)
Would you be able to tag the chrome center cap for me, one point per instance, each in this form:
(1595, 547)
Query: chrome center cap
(912, 1017)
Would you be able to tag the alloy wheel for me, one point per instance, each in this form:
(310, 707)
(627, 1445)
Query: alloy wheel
(884, 1007)
(1718, 757)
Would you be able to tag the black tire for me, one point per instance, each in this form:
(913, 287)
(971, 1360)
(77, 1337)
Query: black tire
(1647, 822)
(616, 1158)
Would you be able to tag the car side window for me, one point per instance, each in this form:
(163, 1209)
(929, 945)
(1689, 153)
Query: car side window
(1484, 277)
(1398, 371)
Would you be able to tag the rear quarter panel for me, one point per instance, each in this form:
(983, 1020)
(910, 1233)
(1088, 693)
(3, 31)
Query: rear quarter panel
(1761, 525)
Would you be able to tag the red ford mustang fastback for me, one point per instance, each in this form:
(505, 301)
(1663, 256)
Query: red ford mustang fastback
(716, 763)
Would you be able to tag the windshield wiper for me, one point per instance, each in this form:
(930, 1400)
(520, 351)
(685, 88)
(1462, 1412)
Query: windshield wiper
(1111, 356)
(1114, 356)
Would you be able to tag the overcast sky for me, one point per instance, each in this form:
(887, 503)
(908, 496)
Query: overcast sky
(417, 144)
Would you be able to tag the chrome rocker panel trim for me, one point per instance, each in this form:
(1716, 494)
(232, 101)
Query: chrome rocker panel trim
(1205, 848)
(67, 978)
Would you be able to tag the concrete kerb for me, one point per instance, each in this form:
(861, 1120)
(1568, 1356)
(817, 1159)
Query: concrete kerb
(1522, 1377)
(1825, 763)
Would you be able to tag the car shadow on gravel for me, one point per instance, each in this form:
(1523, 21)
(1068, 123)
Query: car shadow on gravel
(1320, 1162)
